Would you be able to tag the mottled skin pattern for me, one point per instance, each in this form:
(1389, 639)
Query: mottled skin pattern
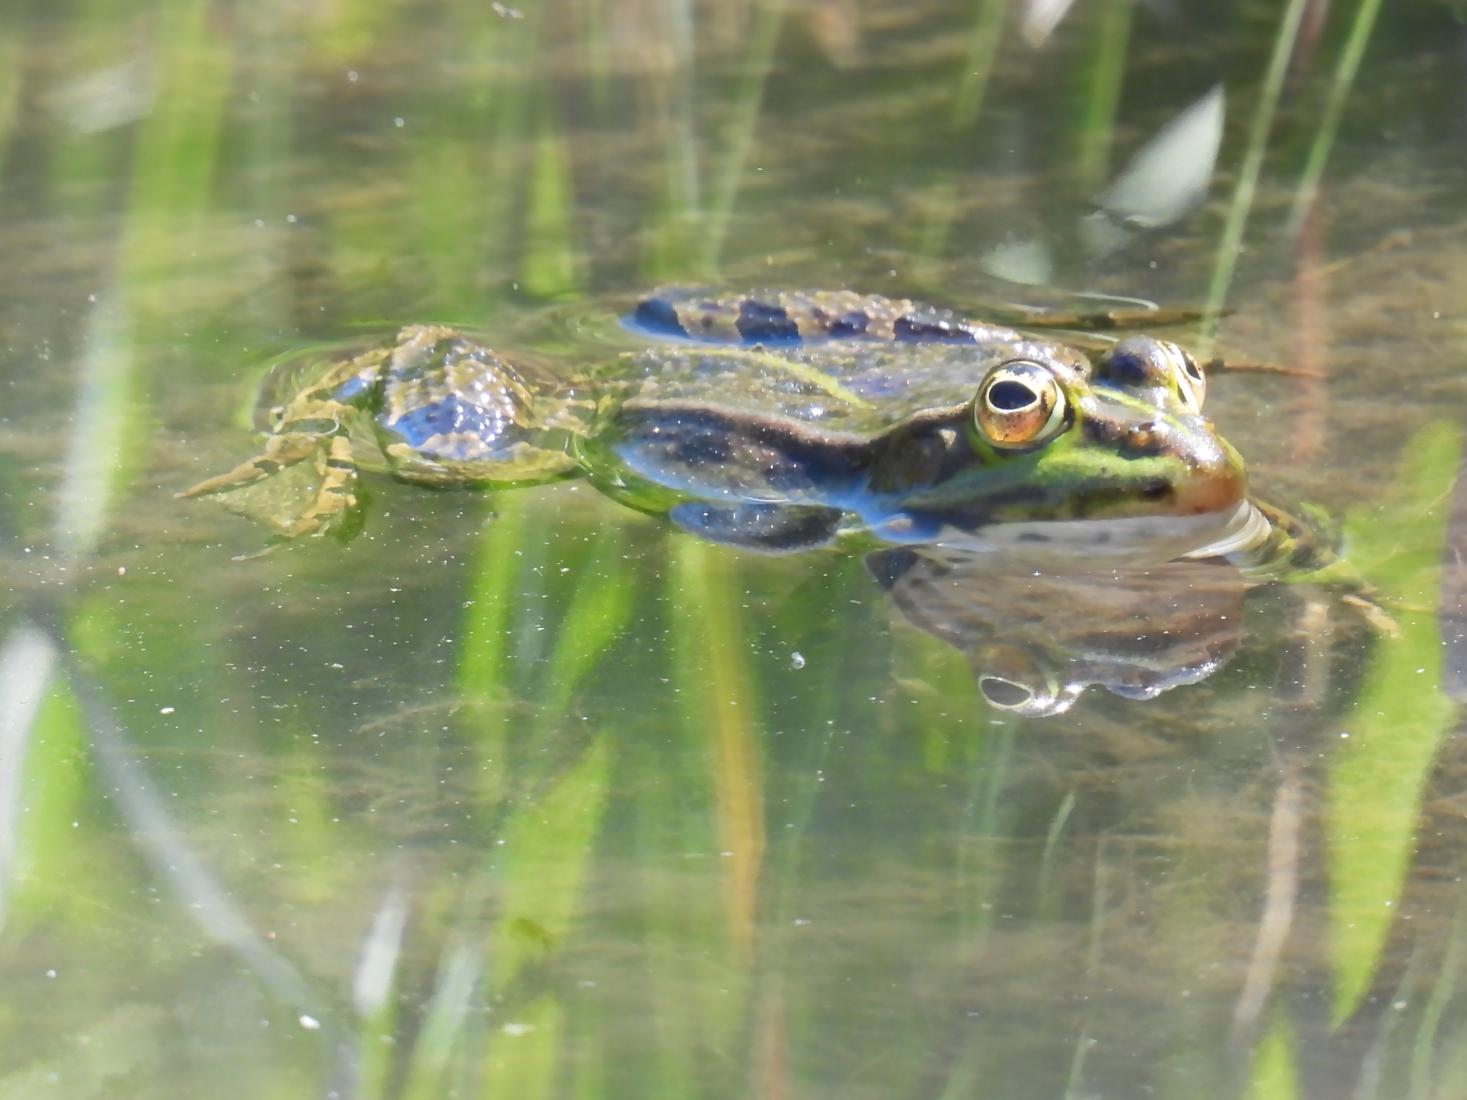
(775, 420)
(885, 434)
(446, 411)
(798, 316)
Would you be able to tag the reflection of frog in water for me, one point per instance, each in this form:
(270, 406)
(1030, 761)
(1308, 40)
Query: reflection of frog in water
(778, 421)
(1038, 639)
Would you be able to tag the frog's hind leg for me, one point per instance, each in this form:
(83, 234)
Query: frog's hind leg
(280, 451)
(773, 528)
(317, 432)
(336, 497)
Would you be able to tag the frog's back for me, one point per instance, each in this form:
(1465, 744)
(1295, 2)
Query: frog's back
(779, 317)
(848, 387)
(836, 360)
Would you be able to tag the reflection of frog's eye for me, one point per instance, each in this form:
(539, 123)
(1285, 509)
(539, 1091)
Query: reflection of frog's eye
(1020, 404)
(1005, 694)
(1019, 680)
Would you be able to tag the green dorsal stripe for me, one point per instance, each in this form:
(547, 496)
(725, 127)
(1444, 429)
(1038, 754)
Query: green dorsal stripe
(804, 373)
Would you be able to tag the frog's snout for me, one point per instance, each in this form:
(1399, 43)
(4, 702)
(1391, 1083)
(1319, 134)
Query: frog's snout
(1216, 478)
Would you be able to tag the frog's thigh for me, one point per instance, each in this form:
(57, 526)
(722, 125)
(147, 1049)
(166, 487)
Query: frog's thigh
(776, 528)
(337, 495)
(280, 451)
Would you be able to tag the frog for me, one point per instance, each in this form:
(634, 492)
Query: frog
(781, 421)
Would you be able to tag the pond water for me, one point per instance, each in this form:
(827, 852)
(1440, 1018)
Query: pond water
(527, 794)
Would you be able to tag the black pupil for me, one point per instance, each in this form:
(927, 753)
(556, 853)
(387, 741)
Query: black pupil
(1004, 693)
(1011, 396)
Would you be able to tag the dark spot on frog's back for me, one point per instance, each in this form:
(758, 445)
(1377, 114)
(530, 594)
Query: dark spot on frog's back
(764, 322)
(658, 316)
(917, 328)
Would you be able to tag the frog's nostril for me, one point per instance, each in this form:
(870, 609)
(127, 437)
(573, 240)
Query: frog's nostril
(1217, 480)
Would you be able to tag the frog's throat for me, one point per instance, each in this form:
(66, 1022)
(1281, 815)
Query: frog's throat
(1132, 539)
(1246, 530)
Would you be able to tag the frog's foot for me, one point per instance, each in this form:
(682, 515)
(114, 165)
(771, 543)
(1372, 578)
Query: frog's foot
(773, 528)
(332, 490)
(337, 496)
(280, 451)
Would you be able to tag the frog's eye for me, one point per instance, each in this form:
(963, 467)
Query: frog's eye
(1020, 404)
(1191, 382)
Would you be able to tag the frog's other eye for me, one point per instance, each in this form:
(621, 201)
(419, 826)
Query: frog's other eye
(1020, 404)
(1191, 382)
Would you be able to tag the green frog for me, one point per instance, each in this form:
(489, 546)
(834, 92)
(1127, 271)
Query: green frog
(782, 421)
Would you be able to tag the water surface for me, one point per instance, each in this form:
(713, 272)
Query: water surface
(529, 795)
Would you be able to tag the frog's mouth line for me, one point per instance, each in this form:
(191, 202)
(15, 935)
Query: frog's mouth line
(1134, 538)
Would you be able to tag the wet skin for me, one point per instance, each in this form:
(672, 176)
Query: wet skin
(779, 421)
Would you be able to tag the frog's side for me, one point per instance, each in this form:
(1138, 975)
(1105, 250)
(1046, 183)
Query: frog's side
(810, 414)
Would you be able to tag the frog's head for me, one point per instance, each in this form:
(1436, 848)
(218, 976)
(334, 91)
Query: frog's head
(1052, 441)
(1127, 439)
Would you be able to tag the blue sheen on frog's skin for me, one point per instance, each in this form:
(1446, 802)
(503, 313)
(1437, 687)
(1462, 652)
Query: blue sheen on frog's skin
(1133, 449)
(776, 421)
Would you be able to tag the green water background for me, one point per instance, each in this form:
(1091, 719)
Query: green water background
(529, 796)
